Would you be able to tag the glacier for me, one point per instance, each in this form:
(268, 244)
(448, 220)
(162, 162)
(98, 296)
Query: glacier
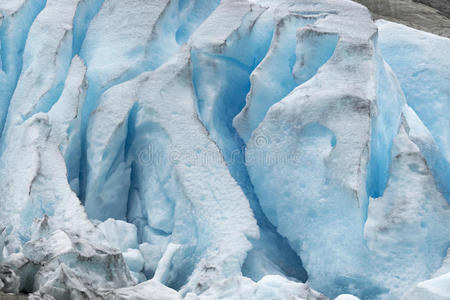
(234, 149)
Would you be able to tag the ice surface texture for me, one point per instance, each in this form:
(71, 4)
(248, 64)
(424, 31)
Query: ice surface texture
(234, 149)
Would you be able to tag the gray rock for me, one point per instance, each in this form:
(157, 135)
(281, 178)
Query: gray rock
(9, 281)
(443, 6)
(4, 296)
(433, 18)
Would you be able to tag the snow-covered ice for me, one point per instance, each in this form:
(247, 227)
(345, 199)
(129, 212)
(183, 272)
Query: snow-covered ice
(234, 149)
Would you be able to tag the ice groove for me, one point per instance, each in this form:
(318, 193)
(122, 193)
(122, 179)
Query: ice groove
(12, 51)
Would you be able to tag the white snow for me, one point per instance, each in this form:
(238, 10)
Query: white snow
(346, 297)
(434, 289)
(269, 287)
(121, 29)
(134, 260)
(120, 234)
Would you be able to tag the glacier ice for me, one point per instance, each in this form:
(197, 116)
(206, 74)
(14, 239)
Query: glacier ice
(425, 87)
(234, 149)
(436, 288)
(296, 155)
(411, 210)
(120, 234)
(423, 83)
(269, 287)
(218, 103)
(16, 18)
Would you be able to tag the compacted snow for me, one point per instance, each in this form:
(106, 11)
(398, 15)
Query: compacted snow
(234, 149)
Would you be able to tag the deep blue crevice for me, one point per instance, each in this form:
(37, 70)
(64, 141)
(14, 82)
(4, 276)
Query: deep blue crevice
(131, 130)
(192, 14)
(279, 69)
(384, 127)
(131, 136)
(85, 13)
(232, 83)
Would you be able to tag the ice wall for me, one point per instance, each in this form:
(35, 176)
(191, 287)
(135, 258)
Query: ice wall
(221, 149)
